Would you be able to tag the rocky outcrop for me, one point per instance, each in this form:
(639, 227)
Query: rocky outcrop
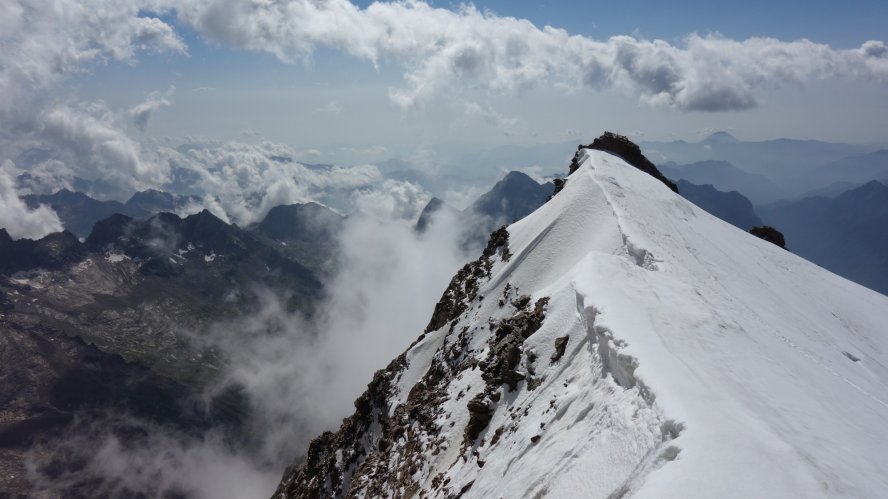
(425, 217)
(769, 234)
(630, 152)
(381, 449)
(53, 252)
(463, 288)
(300, 222)
(618, 145)
(512, 198)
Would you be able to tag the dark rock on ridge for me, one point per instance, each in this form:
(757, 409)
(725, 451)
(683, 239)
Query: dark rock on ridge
(769, 234)
(629, 151)
(621, 146)
(52, 252)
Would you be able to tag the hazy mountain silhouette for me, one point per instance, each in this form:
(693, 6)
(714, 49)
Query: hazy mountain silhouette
(726, 177)
(732, 207)
(847, 234)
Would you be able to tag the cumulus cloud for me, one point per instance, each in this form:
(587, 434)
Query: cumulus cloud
(442, 50)
(142, 112)
(441, 47)
(15, 216)
(305, 375)
(89, 138)
(393, 199)
(43, 41)
(244, 181)
(301, 375)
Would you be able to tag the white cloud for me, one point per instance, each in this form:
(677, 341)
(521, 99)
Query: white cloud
(43, 41)
(247, 180)
(142, 112)
(89, 138)
(440, 48)
(488, 114)
(15, 216)
(393, 199)
(301, 376)
(305, 375)
(442, 51)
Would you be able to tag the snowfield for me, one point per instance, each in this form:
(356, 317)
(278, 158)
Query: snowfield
(700, 361)
(749, 347)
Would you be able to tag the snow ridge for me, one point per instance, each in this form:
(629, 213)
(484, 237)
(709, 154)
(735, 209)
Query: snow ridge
(620, 342)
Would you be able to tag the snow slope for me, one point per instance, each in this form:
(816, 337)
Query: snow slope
(700, 362)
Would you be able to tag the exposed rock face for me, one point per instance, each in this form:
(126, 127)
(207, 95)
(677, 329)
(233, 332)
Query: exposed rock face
(425, 218)
(359, 459)
(53, 386)
(300, 222)
(91, 330)
(150, 201)
(629, 151)
(54, 252)
(79, 212)
(512, 198)
(769, 234)
(76, 210)
(463, 390)
(307, 233)
(647, 296)
(463, 287)
(622, 147)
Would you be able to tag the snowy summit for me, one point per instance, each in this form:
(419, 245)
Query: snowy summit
(621, 342)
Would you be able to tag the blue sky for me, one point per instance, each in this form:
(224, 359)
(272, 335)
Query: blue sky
(843, 24)
(233, 84)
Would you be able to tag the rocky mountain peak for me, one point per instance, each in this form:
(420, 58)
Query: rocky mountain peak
(52, 252)
(567, 360)
(720, 137)
(621, 146)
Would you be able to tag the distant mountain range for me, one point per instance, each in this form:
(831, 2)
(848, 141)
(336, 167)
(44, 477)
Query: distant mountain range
(732, 207)
(510, 199)
(103, 315)
(812, 227)
(860, 168)
(616, 343)
(847, 234)
(726, 177)
(104, 328)
(795, 166)
(79, 212)
(114, 291)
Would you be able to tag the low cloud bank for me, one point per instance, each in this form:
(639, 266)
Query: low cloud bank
(300, 375)
(15, 216)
